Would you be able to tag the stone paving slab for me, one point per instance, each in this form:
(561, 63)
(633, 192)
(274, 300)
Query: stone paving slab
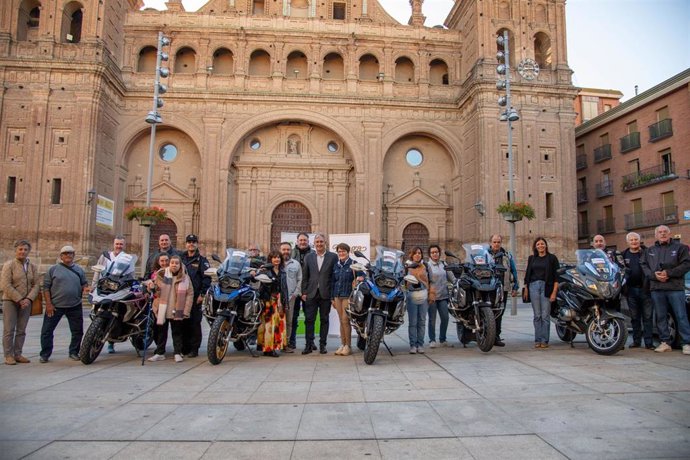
(513, 402)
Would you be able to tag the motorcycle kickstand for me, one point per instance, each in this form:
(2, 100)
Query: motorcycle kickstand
(246, 345)
(387, 347)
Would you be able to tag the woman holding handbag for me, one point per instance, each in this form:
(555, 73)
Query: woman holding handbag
(19, 282)
(541, 288)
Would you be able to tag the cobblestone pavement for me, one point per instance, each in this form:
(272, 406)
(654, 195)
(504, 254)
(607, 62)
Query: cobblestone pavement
(513, 402)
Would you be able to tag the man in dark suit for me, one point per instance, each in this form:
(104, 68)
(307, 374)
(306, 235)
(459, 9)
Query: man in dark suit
(317, 277)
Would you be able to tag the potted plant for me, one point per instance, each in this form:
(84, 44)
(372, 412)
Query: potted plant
(147, 216)
(513, 211)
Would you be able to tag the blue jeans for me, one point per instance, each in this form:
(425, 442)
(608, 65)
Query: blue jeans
(442, 307)
(416, 318)
(542, 309)
(676, 300)
(75, 319)
(640, 305)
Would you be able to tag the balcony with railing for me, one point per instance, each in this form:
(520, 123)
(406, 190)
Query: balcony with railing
(650, 176)
(652, 217)
(583, 230)
(660, 130)
(630, 142)
(606, 226)
(604, 188)
(602, 153)
(582, 196)
(581, 161)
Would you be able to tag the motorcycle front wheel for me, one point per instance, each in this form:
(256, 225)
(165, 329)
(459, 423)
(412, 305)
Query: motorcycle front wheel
(218, 339)
(374, 339)
(565, 334)
(606, 339)
(93, 342)
(486, 334)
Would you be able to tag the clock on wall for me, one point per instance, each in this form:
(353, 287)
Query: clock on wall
(528, 69)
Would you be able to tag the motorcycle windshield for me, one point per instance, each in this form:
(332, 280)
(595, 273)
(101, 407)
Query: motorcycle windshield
(122, 266)
(389, 260)
(235, 262)
(477, 254)
(595, 263)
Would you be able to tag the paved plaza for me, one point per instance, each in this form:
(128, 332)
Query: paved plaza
(514, 402)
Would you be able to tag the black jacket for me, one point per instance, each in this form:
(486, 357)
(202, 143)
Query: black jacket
(672, 257)
(196, 265)
(318, 281)
(553, 266)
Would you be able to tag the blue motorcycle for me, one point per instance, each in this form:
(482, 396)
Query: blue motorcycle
(232, 304)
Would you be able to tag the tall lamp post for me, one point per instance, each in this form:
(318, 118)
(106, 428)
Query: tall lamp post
(509, 115)
(154, 118)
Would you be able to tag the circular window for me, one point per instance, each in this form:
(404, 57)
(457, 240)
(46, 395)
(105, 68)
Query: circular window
(168, 152)
(255, 144)
(414, 157)
(333, 146)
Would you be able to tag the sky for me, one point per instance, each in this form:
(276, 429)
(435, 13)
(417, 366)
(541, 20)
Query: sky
(612, 44)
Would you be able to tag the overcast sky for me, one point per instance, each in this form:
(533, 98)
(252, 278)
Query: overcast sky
(612, 44)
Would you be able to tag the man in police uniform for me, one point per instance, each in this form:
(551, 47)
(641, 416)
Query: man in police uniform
(196, 265)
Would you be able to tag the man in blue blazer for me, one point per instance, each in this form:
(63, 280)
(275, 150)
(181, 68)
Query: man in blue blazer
(317, 277)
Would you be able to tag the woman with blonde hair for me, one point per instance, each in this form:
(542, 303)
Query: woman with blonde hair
(175, 296)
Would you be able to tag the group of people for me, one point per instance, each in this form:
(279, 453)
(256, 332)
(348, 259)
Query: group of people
(654, 285)
(316, 279)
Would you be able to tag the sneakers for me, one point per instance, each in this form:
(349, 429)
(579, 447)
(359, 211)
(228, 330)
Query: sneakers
(413, 350)
(289, 350)
(663, 347)
(111, 348)
(347, 351)
(10, 361)
(42, 360)
(339, 351)
(432, 344)
(155, 358)
(686, 349)
(74, 357)
(179, 358)
(420, 350)
(22, 359)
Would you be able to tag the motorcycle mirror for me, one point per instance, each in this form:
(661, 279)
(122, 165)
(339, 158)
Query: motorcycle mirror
(211, 271)
(216, 258)
(358, 267)
(450, 254)
(360, 254)
(98, 268)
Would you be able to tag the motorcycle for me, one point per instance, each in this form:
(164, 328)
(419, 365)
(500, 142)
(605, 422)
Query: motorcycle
(120, 310)
(476, 297)
(232, 304)
(589, 295)
(377, 304)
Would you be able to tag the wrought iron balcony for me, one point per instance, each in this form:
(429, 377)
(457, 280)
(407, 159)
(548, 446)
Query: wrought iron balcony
(583, 230)
(606, 226)
(660, 130)
(582, 196)
(630, 142)
(581, 161)
(602, 153)
(649, 176)
(652, 217)
(604, 188)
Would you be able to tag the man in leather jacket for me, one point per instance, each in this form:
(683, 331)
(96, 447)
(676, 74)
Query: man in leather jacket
(196, 265)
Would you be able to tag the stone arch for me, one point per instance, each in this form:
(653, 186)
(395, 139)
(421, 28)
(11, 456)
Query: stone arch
(415, 233)
(369, 66)
(259, 63)
(297, 65)
(223, 61)
(404, 70)
(439, 73)
(442, 135)
(28, 20)
(185, 60)
(543, 50)
(350, 139)
(333, 66)
(146, 62)
(72, 19)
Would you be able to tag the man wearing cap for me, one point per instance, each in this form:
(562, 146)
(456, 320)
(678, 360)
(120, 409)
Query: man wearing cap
(63, 286)
(196, 265)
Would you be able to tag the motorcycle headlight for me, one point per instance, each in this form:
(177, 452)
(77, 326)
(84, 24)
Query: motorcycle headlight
(482, 273)
(384, 282)
(592, 286)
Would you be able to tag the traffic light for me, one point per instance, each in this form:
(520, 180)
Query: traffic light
(153, 117)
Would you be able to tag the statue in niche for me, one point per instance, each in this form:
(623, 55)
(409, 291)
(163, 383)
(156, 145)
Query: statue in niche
(293, 146)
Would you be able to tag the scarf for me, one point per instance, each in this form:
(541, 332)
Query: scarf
(168, 288)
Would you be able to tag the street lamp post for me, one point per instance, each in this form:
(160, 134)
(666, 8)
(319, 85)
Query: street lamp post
(509, 115)
(154, 118)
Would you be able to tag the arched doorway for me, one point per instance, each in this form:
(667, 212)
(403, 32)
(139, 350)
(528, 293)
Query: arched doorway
(289, 216)
(416, 234)
(168, 227)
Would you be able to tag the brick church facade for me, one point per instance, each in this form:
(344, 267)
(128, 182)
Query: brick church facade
(282, 115)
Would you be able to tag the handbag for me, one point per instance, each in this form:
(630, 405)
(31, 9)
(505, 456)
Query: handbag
(37, 305)
(525, 294)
